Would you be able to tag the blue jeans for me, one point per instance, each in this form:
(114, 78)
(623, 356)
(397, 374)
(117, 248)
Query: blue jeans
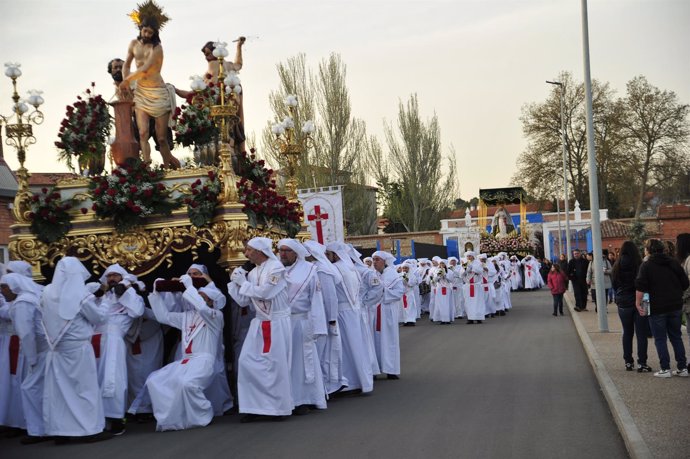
(557, 303)
(664, 325)
(634, 325)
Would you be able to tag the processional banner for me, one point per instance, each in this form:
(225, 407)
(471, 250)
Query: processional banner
(323, 213)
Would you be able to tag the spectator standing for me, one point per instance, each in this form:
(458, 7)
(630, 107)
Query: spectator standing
(591, 277)
(558, 284)
(611, 293)
(577, 273)
(664, 279)
(683, 256)
(623, 279)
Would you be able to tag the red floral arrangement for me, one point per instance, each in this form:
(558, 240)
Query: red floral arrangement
(50, 220)
(201, 203)
(133, 192)
(193, 123)
(262, 203)
(85, 129)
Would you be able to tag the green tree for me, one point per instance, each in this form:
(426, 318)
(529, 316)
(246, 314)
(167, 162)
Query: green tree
(336, 154)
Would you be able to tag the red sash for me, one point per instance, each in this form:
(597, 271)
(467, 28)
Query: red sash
(443, 290)
(266, 333)
(96, 343)
(529, 271)
(472, 287)
(378, 318)
(485, 281)
(184, 361)
(405, 301)
(136, 347)
(14, 354)
(188, 349)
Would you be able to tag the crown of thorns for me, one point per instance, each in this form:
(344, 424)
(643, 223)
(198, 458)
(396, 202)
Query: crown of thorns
(150, 9)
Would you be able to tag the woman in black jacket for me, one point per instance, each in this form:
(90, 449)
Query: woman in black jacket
(623, 279)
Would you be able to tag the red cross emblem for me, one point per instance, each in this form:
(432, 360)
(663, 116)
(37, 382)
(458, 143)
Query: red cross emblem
(318, 217)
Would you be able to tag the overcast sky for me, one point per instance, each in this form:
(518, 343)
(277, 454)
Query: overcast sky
(474, 63)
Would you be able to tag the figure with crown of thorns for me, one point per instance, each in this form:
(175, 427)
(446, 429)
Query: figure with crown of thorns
(153, 98)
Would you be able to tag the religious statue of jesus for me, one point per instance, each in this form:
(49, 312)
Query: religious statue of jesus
(502, 223)
(152, 97)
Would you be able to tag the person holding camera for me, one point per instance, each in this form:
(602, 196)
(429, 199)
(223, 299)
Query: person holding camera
(122, 305)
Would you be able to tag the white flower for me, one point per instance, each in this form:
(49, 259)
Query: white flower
(291, 100)
(111, 140)
(288, 123)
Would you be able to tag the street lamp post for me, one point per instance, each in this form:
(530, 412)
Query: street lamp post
(565, 168)
(20, 135)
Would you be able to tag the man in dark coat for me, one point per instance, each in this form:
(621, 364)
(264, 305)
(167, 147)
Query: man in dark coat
(577, 273)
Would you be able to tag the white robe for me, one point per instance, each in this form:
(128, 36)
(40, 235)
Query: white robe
(263, 379)
(385, 322)
(144, 352)
(177, 391)
(488, 290)
(72, 403)
(11, 371)
(111, 350)
(308, 321)
(26, 318)
(330, 345)
(442, 291)
(532, 276)
(515, 276)
(357, 364)
(408, 302)
(457, 281)
(472, 290)
(370, 291)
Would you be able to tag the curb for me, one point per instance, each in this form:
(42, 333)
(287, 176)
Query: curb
(634, 443)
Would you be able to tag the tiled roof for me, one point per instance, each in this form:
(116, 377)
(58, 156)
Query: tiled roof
(48, 178)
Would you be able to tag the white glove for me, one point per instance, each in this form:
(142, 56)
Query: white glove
(93, 287)
(239, 276)
(186, 281)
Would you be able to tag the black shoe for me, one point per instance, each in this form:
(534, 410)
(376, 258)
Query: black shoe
(562, 313)
(117, 427)
(578, 309)
(300, 410)
(554, 314)
(629, 367)
(392, 377)
(643, 368)
(62, 440)
(14, 432)
(470, 322)
(479, 322)
(33, 439)
(143, 418)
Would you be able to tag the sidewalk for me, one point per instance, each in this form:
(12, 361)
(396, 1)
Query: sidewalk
(652, 414)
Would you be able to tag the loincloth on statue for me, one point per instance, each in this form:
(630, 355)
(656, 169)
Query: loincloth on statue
(156, 102)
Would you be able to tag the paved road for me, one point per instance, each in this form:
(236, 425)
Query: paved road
(517, 386)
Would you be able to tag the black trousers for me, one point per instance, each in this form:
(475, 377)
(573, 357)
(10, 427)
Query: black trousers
(580, 292)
